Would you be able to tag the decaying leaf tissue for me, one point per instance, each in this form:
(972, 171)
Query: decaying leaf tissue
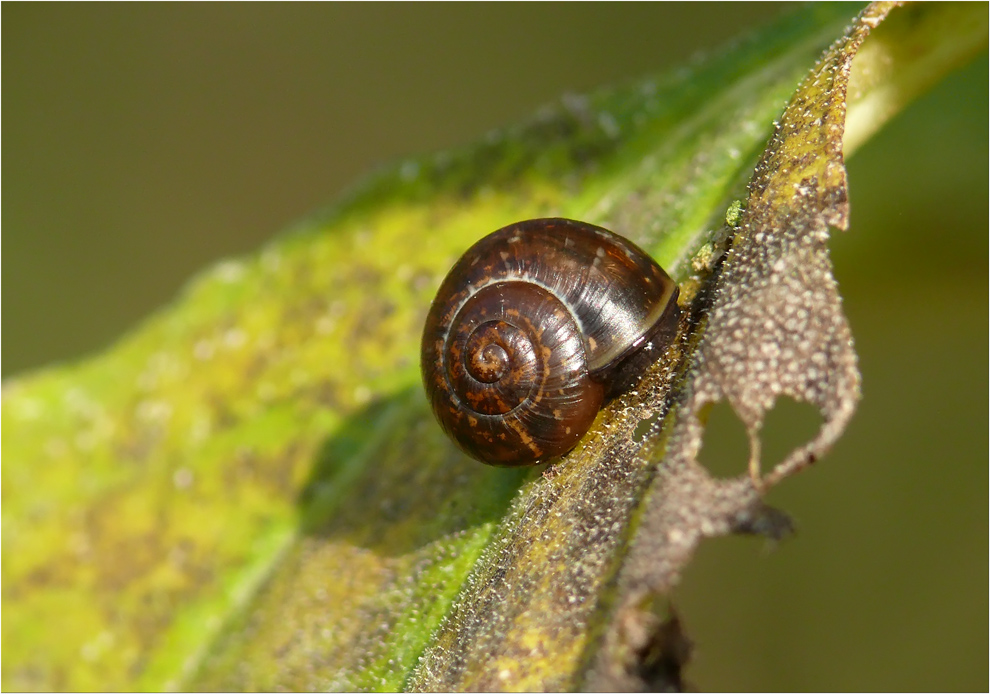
(775, 328)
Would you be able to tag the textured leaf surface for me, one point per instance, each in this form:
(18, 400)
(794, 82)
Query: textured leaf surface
(249, 490)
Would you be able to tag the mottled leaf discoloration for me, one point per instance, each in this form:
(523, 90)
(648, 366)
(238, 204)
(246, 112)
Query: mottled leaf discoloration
(250, 492)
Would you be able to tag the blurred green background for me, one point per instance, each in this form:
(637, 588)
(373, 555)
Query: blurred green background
(143, 142)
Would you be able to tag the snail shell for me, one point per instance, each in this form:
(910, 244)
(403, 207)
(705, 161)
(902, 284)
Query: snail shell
(533, 329)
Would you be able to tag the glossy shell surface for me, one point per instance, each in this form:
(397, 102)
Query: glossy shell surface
(534, 328)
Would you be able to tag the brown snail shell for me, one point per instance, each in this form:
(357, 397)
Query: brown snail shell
(534, 328)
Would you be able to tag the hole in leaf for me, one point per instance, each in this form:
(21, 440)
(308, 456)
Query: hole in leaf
(725, 446)
(789, 425)
(644, 427)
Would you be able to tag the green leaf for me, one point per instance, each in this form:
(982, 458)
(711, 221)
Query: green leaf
(249, 491)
